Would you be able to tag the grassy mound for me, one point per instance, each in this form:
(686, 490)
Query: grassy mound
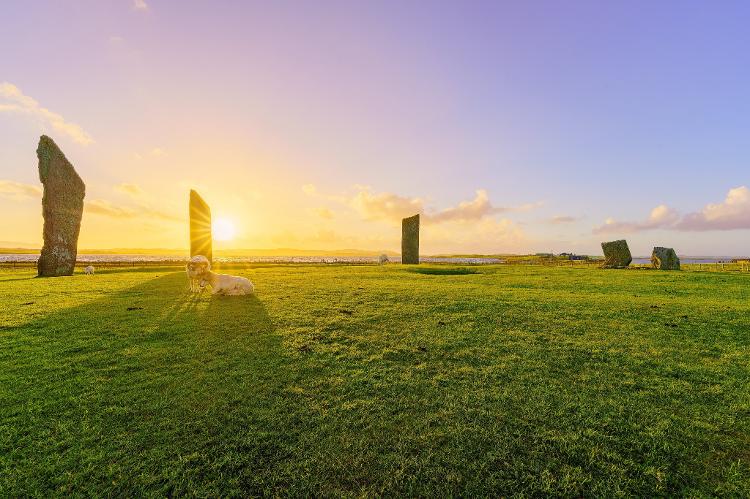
(443, 270)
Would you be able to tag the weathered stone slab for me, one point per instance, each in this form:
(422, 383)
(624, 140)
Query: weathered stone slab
(200, 227)
(62, 209)
(410, 240)
(616, 254)
(665, 259)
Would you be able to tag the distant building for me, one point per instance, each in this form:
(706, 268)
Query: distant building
(572, 256)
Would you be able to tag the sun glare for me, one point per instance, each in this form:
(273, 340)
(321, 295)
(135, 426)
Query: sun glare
(223, 229)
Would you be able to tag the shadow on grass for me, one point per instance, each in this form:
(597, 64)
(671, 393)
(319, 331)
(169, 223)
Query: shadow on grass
(444, 271)
(152, 388)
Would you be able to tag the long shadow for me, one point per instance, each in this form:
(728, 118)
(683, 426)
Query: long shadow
(144, 390)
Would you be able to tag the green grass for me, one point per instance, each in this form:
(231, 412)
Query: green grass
(366, 380)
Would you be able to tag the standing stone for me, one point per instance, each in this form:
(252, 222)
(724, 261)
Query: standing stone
(62, 208)
(200, 227)
(665, 259)
(410, 240)
(616, 254)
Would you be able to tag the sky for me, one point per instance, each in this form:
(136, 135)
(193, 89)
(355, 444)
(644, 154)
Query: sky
(512, 127)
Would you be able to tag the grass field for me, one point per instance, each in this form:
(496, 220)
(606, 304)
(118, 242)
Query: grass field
(365, 380)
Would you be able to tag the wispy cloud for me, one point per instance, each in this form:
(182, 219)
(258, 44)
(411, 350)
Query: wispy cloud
(140, 5)
(393, 207)
(324, 213)
(156, 152)
(17, 102)
(732, 214)
(562, 219)
(18, 191)
(108, 209)
(133, 190)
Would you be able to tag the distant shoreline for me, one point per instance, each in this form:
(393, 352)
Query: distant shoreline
(30, 257)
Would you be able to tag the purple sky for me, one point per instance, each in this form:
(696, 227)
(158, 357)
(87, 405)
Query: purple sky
(576, 122)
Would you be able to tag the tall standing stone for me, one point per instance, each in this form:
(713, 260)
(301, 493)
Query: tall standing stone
(62, 209)
(200, 227)
(410, 240)
(616, 254)
(665, 259)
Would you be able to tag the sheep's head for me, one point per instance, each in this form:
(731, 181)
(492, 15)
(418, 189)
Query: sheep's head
(198, 266)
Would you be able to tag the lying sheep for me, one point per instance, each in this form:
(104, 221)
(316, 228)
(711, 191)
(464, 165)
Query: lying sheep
(196, 268)
(230, 285)
(89, 270)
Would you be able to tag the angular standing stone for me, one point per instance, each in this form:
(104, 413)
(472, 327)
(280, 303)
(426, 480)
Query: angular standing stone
(665, 259)
(410, 240)
(62, 208)
(200, 227)
(616, 254)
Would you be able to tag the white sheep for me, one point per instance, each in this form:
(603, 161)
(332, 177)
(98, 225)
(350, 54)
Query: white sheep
(383, 259)
(89, 270)
(230, 285)
(196, 268)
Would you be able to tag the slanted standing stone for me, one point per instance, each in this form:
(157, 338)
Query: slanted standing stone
(62, 208)
(616, 254)
(410, 240)
(665, 259)
(200, 227)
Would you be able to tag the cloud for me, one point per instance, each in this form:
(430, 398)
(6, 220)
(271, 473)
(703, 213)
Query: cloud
(140, 5)
(562, 219)
(23, 104)
(18, 191)
(478, 208)
(392, 207)
(107, 209)
(732, 214)
(384, 206)
(661, 217)
(488, 235)
(133, 190)
(156, 152)
(324, 213)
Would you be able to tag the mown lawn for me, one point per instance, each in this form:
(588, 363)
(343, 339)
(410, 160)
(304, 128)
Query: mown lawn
(365, 380)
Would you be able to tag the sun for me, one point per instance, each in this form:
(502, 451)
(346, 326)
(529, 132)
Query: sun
(223, 229)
